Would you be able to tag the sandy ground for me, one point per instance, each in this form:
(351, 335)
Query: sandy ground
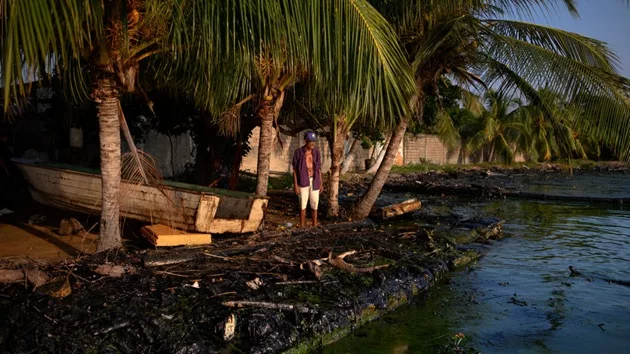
(21, 242)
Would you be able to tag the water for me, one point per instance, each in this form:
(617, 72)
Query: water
(521, 298)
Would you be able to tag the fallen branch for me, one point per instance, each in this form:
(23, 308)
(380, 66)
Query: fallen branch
(217, 256)
(297, 282)
(158, 261)
(113, 328)
(270, 305)
(224, 294)
(281, 260)
(160, 272)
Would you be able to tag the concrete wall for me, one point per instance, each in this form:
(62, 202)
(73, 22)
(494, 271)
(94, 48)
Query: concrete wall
(429, 148)
(282, 153)
(159, 146)
(414, 149)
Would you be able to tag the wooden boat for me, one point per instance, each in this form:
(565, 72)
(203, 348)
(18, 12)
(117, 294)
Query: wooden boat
(179, 205)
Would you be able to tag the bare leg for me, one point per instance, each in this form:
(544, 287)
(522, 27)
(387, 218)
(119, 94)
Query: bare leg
(303, 218)
(314, 215)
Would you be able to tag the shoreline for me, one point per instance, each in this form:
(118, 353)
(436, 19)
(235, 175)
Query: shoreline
(493, 182)
(276, 291)
(187, 306)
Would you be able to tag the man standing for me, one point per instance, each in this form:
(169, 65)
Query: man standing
(307, 177)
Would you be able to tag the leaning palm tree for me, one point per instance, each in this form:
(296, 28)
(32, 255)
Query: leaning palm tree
(469, 41)
(354, 69)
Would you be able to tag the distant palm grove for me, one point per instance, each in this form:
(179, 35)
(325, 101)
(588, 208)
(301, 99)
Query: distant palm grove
(362, 68)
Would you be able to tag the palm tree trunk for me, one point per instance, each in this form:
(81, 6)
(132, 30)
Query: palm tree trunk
(265, 146)
(352, 153)
(379, 158)
(364, 205)
(267, 114)
(106, 98)
(336, 153)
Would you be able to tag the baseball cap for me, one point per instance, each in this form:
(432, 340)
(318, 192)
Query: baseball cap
(310, 136)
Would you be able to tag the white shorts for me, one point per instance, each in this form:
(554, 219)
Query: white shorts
(308, 194)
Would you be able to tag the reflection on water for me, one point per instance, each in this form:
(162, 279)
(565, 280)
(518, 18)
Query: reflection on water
(617, 186)
(521, 297)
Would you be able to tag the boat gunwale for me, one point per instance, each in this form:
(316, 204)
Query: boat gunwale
(41, 164)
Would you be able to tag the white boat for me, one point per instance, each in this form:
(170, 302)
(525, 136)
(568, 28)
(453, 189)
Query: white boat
(179, 205)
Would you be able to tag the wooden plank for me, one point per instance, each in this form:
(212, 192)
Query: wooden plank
(163, 236)
(208, 205)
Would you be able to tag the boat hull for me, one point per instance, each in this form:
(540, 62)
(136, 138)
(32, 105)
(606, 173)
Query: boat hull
(195, 209)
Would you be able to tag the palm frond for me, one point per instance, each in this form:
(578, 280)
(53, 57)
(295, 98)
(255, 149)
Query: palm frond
(357, 61)
(446, 130)
(574, 46)
(40, 34)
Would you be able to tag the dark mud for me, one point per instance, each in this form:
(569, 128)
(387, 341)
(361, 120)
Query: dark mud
(180, 308)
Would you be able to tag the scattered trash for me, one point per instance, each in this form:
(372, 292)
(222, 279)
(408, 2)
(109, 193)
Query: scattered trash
(194, 285)
(288, 225)
(601, 326)
(5, 211)
(114, 271)
(37, 219)
(230, 327)
(255, 284)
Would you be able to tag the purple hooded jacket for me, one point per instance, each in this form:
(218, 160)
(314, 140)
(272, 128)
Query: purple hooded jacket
(299, 165)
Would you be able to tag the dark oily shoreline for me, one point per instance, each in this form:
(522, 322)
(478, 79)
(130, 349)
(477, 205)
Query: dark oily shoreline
(189, 303)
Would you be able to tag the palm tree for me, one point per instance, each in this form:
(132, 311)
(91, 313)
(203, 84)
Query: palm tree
(215, 51)
(503, 132)
(105, 42)
(470, 42)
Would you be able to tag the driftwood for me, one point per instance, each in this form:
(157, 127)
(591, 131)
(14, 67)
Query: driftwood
(33, 275)
(270, 305)
(11, 275)
(397, 209)
(340, 263)
(315, 265)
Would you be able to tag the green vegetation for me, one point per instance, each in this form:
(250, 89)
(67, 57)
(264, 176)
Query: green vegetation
(563, 164)
(497, 128)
